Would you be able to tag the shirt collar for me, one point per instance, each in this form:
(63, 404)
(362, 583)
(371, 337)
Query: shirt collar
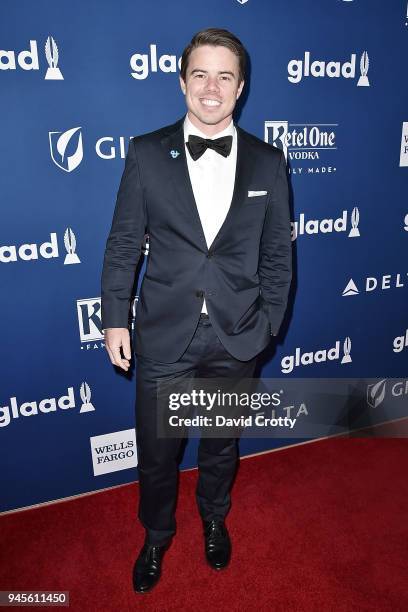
(190, 128)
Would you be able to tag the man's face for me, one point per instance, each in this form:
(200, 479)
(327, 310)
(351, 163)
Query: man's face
(211, 87)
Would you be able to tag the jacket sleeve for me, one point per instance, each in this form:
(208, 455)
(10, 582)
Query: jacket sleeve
(123, 246)
(275, 257)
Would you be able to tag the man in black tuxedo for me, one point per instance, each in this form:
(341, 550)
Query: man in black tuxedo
(214, 201)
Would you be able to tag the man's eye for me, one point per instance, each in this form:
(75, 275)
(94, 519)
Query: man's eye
(226, 78)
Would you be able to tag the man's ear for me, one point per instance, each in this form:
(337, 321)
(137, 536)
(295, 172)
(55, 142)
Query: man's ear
(182, 85)
(240, 88)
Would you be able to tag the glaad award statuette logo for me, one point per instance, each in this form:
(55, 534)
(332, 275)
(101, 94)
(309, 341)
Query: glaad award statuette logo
(85, 394)
(355, 218)
(51, 53)
(364, 65)
(346, 348)
(70, 246)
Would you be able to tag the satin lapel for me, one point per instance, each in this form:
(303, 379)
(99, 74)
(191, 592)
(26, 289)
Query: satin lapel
(243, 175)
(178, 172)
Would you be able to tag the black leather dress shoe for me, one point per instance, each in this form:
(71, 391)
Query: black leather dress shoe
(147, 568)
(217, 543)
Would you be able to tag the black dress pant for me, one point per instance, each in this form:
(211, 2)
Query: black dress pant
(205, 357)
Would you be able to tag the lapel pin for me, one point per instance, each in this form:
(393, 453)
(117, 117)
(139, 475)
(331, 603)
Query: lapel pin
(174, 153)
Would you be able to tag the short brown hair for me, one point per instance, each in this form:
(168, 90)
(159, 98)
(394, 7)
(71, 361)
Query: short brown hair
(215, 37)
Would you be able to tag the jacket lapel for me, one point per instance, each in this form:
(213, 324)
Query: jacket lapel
(178, 170)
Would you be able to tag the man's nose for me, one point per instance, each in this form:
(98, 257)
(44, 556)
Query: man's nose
(212, 84)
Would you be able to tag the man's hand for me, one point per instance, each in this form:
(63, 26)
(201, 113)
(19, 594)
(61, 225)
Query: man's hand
(115, 338)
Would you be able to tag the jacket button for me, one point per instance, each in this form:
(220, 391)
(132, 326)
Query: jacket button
(209, 255)
(199, 293)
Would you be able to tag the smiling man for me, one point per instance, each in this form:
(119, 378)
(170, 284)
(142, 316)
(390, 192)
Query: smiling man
(214, 201)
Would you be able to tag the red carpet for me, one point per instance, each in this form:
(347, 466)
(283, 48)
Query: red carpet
(320, 527)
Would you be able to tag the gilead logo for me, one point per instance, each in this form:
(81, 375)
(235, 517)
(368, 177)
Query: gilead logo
(289, 362)
(14, 411)
(142, 63)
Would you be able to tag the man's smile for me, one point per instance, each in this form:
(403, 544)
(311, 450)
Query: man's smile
(210, 102)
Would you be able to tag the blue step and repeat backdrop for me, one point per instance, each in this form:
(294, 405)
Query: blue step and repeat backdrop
(327, 84)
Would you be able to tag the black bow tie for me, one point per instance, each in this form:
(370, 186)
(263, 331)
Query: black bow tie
(197, 145)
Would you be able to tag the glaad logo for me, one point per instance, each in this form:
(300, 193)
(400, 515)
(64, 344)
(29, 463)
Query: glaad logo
(372, 283)
(404, 145)
(90, 325)
(299, 69)
(400, 342)
(114, 451)
(28, 60)
(60, 142)
(52, 55)
(303, 142)
(376, 393)
(70, 246)
(46, 250)
(64, 402)
(142, 64)
(289, 362)
(326, 226)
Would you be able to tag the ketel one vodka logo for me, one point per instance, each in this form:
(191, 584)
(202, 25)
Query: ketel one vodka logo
(289, 362)
(14, 410)
(45, 250)
(89, 321)
(326, 226)
(66, 148)
(304, 142)
(299, 69)
(372, 283)
(28, 60)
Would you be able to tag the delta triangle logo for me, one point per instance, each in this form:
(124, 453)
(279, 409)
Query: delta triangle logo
(351, 289)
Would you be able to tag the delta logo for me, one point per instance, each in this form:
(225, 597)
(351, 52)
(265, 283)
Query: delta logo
(374, 283)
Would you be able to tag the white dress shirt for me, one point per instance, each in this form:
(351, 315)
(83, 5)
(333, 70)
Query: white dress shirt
(212, 178)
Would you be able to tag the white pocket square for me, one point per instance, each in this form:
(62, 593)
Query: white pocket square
(252, 194)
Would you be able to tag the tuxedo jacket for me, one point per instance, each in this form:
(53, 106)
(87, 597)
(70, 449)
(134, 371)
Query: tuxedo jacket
(244, 274)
